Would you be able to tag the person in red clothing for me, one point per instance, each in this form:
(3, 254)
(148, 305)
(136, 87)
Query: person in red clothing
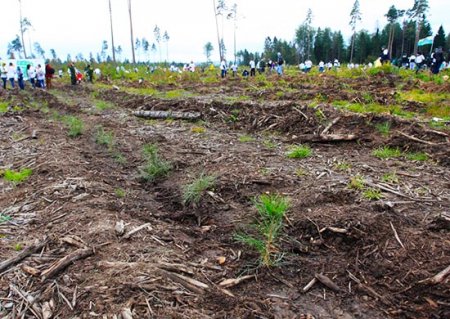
(49, 72)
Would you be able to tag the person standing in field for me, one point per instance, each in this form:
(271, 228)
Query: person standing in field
(223, 68)
(31, 72)
(73, 75)
(90, 73)
(280, 63)
(252, 67)
(40, 75)
(4, 74)
(20, 78)
(49, 72)
(11, 74)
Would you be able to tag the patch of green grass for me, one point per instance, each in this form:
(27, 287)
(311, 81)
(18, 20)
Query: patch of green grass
(272, 210)
(299, 151)
(103, 105)
(4, 218)
(384, 128)
(177, 94)
(269, 144)
(198, 129)
(246, 139)
(342, 166)
(18, 247)
(372, 194)
(386, 152)
(356, 182)
(3, 107)
(193, 192)
(105, 138)
(17, 177)
(74, 124)
(155, 167)
(301, 172)
(390, 178)
(234, 116)
(120, 192)
(419, 156)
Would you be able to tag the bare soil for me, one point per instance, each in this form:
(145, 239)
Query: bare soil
(379, 253)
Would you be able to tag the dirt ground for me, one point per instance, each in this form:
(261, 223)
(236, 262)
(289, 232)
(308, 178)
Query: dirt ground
(377, 256)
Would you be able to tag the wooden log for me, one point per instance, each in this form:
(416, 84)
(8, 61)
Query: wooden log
(325, 138)
(24, 254)
(168, 114)
(62, 263)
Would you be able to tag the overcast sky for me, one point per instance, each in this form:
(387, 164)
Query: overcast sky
(80, 26)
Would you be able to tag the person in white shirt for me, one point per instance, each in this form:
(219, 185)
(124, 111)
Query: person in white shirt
(301, 66)
(11, 74)
(420, 59)
(321, 66)
(31, 73)
(192, 66)
(252, 67)
(223, 68)
(234, 68)
(308, 65)
(412, 62)
(336, 64)
(40, 75)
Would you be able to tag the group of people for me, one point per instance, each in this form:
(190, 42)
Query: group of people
(38, 76)
(261, 67)
(435, 62)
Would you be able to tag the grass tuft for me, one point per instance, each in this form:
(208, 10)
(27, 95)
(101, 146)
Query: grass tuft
(74, 124)
(155, 167)
(419, 156)
(384, 128)
(299, 151)
(386, 152)
(356, 182)
(17, 177)
(372, 194)
(193, 192)
(272, 210)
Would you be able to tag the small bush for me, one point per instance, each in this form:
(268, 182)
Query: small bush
(271, 209)
(105, 138)
(386, 152)
(74, 124)
(372, 194)
(384, 128)
(154, 167)
(342, 166)
(4, 218)
(246, 139)
(193, 192)
(356, 182)
(17, 177)
(390, 178)
(299, 151)
(420, 156)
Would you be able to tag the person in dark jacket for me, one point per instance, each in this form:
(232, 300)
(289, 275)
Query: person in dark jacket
(437, 59)
(49, 72)
(73, 75)
(90, 73)
(20, 78)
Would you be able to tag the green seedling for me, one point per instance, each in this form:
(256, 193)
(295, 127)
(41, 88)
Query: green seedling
(356, 182)
(193, 192)
(18, 247)
(74, 124)
(272, 210)
(372, 194)
(246, 139)
(4, 218)
(301, 172)
(386, 152)
(198, 130)
(299, 151)
(419, 156)
(384, 128)
(17, 177)
(105, 138)
(120, 192)
(342, 166)
(155, 167)
(390, 178)
(269, 144)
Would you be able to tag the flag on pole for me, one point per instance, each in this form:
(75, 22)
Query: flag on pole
(425, 41)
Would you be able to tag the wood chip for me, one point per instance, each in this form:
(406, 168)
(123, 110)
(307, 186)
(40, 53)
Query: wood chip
(327, 282)
(227, 283)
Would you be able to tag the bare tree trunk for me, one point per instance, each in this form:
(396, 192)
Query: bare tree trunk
(403, 37)
(112, 33)
(353, 47)
(217, 28)
(417, 36)
(21, 29)
(391, 40)
(131, 31)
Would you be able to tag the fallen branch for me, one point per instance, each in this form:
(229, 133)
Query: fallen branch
(413, 138)
(135, 230)
(168, 114)
(327, 128)
(191, 284)
(314, 138)
(437, 279)
(234, 281)
(24, 254)
(396, 236)
(310, 284)
(66, 261)
(327, 282)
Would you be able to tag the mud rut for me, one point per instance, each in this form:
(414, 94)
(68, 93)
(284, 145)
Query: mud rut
(375, 252)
